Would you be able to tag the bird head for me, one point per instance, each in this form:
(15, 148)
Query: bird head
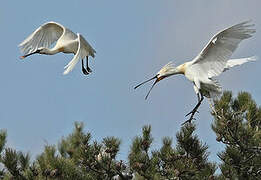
(42, 50)
(164, 72)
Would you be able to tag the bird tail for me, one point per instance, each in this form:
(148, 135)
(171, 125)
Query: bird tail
(212, 89)
(236, 62)
(92, 52)
(215, 90)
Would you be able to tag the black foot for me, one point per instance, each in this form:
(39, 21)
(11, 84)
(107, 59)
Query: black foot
(189, 120)
(192, 112)
(85, 72)
(89, 70)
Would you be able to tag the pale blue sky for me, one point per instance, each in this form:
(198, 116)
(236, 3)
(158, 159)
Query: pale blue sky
(133, 40)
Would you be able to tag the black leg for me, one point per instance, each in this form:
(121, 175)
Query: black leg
(192, 113)
(198, 97)
(83, 69)
(87, 66)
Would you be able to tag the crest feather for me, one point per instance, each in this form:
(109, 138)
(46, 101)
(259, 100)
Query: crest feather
(167, 68)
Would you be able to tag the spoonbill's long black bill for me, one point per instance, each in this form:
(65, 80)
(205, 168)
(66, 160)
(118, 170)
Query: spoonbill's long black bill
(145, 82)
(157, 80)
(22, 57)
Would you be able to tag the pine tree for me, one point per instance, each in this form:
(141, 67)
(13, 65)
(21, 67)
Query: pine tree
(188, 160)
(17, 164)
(79, 158)
(75, 158)
(238, 125)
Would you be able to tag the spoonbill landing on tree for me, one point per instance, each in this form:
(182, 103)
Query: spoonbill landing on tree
(209, 63)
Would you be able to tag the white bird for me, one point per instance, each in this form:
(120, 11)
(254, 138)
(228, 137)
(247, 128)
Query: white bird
(41, 40)
(209, 63)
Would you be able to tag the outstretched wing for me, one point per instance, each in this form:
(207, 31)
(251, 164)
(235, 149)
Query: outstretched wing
(236, 62)
(43, 36)
(213, 58)
(84, 49)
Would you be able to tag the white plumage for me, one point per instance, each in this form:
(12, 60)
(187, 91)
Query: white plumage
(236, 62)
(41, 40)
(209, 63)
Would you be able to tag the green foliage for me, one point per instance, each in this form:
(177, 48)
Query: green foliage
(76, 158)
(55, 166)
(79, 158)
(237, 125)
(187, 161)
(139, 158)
(16, 163)
(2, 140)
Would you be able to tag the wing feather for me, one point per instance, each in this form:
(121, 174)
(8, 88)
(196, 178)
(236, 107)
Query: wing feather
(87, 47)
(43, 36)
(84, 49)
(236, 62)
(213, 58)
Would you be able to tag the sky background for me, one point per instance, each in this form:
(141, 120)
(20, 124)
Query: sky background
(133, 40)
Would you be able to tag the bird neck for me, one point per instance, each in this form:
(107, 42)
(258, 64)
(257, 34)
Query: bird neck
(179, 70)
(50, 51)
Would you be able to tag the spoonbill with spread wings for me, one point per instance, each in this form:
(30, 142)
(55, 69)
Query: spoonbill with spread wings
(209, 63)
(41, 40)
